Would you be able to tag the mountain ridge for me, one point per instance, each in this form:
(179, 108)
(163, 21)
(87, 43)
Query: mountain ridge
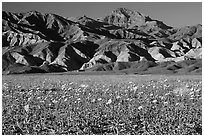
(28, 40)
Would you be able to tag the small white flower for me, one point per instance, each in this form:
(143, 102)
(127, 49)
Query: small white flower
(37, 88)
(135, 88)
(161, 97)
(188, 86)
(140, 93)
(26, 107)
(165, 103)
(84, 85)
(109, 101)
(118, 97)
(78, 99)
(63, 87)
(121, 124)
(93, 100)
(198, 90)
(167, 94)
(19, 86)
(42, 101)
(191, 93)
(69, 88)
(190, 125)
(140, 107)
(65, 99)
(154, 101)
(99, 99)
(54, 101)
(29, 98)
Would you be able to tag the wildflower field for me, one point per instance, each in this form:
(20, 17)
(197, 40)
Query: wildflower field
(101, 104)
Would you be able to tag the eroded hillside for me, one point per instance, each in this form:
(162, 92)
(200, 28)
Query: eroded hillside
(37, 43)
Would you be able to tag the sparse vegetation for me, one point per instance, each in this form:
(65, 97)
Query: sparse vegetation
(105, 104)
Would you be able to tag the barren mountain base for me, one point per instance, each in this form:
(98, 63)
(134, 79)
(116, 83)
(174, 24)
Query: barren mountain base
(187, 67)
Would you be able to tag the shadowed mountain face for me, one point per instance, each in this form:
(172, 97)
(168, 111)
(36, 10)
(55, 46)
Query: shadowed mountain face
(124, 40)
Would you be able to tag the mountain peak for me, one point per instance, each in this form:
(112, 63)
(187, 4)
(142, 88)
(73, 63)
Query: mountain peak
(122, 10)
(84, 17)
(128, 12)
(124, 17)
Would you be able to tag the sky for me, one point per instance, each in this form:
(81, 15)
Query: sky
(176, 14)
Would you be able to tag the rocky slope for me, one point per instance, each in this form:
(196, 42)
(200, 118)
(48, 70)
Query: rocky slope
(33, 42)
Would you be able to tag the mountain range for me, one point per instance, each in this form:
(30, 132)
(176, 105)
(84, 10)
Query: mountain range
(123, 41)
